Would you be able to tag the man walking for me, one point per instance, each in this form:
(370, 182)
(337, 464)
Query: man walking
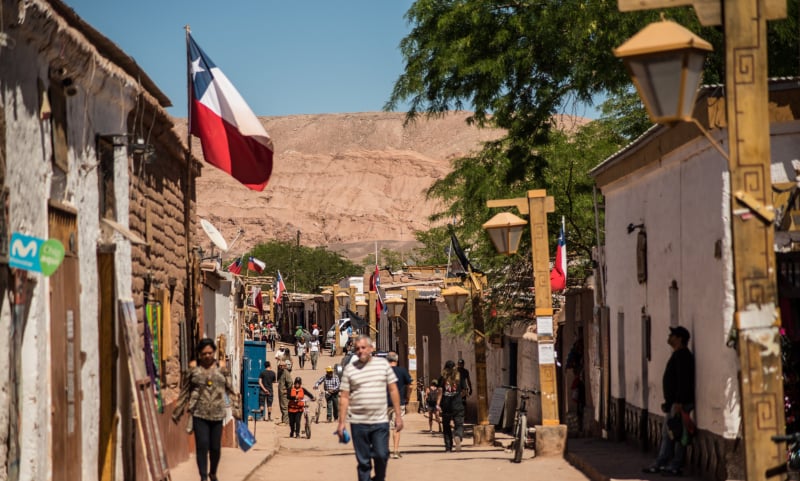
(449, 403)
(462, 371)
(331, 386)
(404, 388)
(265, 381)
(678, 386)
(363, 391)
(285, 383)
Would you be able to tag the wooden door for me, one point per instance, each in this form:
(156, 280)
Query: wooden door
(107, 354)
(65, 350)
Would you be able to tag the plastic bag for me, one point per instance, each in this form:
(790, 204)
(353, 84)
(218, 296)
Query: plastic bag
(244, 436)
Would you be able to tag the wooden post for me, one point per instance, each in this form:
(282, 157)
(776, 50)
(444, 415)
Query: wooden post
(539, 205)
(337, 347)
(373, 324)
(757, 318)
(411, 311)
(484, 432)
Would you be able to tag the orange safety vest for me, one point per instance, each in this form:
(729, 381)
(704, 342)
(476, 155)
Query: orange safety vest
(296, 405)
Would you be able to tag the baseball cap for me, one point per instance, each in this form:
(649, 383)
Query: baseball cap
(681, 332)
(460, 362)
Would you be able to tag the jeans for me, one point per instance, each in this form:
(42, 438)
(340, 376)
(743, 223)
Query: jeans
(294, 423)
(333, 406)
(208, 442)
(458, 419)
(314, 359)
(671, 453)
(371, 443)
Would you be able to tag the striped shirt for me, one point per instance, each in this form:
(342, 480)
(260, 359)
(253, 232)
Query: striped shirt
(367, 384)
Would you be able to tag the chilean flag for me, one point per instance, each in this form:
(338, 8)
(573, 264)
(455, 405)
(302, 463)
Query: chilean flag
(235, 267)
(280, 289)
(558, 275)
(375, 285)
(256, 265)
(257, 301)
(233, 138)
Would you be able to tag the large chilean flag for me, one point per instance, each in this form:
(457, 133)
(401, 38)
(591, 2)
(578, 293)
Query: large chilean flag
(233, 138)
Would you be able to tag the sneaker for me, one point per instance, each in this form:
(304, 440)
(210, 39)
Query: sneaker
(395, 456)
(458, 444)
(653, 469)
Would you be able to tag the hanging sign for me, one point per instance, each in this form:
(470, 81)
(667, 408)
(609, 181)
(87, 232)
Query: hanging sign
(36, 255)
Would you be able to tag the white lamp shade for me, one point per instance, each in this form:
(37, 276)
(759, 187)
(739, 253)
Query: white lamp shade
(395, 306)
(456, 298)
(505, 230)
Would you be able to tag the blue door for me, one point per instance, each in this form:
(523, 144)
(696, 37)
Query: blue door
(255, 355)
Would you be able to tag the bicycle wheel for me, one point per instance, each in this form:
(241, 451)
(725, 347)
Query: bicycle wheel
(318, 411)
(519, 437)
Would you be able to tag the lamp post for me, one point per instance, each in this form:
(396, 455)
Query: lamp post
(756, 319)
(456, 298)
(503, 228)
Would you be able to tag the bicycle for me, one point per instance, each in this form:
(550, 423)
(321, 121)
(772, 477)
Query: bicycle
(792, 464)
(521, 422)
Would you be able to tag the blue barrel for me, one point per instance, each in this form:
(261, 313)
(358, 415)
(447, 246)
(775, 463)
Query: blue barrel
(255, 355)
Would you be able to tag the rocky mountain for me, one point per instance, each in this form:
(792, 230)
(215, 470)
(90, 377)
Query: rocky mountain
(344, 181)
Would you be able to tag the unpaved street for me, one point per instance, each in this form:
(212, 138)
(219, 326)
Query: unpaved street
(323, 458)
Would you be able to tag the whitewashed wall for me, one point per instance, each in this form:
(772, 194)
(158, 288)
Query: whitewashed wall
(684, 203)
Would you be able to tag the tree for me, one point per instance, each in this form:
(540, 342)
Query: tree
(304, 269)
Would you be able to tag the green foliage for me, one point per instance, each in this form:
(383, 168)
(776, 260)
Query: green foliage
(304, 269)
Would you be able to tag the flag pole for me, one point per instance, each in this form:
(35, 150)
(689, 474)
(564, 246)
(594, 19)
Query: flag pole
(187, 200)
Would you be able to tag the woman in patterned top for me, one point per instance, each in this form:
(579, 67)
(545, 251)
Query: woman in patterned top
(203, 395)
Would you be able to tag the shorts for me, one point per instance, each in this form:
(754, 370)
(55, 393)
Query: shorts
(390, 413)
(264, 397)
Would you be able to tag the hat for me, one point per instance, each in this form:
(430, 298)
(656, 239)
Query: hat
(460, 362)
(329, 369)
(298, 380)
(449, 365)
(681, 332)
(434, 382)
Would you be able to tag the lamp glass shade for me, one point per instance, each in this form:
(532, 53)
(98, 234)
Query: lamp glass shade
(395, 306)
(456, 298)
(361, 308)
(667, 83)
(505, 230)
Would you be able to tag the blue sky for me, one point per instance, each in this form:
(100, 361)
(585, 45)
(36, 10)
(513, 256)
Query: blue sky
(285, 57)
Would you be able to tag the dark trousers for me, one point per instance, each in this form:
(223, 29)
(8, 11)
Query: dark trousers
(371, 443)
(333, 406)
(294, 422)
(457, 417)
(208, 441)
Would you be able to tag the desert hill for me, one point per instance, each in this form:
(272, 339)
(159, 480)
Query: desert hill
(344, 181)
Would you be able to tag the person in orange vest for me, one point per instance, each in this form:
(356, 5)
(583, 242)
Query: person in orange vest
(297, 403)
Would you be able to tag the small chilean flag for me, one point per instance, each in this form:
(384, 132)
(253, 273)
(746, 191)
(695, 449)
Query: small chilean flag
(558, 275)
(280, 289)
(233, 138)
(256, 265)
(235, 267)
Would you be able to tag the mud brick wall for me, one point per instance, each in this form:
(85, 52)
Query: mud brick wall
(157, 213)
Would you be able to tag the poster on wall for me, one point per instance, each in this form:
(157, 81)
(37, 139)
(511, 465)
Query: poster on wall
(547, 353)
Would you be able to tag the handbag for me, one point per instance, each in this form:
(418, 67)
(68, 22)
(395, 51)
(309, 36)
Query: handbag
(244, 436)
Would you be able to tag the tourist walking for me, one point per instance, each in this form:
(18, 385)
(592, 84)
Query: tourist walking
(313, 351)
(404, 389)
(363, 402)
(284, 385)
(265, 396)
(431, 399)
(331, 386)
(203, 396)
(301, 348)
(449, 403)
(462, 371)
(297, 403)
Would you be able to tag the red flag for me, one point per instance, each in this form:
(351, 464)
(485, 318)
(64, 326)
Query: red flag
(280, 289)
(235, 267)
(256, 265)
(258, 302)
(374, 285)
(558, 275)
(233, 138)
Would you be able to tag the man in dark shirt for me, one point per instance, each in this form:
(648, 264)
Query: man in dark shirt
(678, 386)
(462, 371)
(404, 387)
(266, 395)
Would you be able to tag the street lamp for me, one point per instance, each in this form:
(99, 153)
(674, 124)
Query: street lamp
(505, 230)
(343, 297)
(757, 317)
(665, 61)
(361, 307)
(456, 298)
(395, 306)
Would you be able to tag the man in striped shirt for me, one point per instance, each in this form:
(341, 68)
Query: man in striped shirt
(363, 399)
